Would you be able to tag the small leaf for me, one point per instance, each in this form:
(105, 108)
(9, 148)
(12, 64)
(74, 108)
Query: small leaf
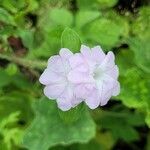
(6, 17)
(64, 14)
(71, 40)
(11, 69)
(84, 17)
(48, 129)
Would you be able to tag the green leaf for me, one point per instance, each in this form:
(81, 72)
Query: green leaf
(107, 3)
(48, 129)
(84, 17)
(49, 43)
(104, 32)
(135, 87)
(87, 4)
(52, 18)
(140, 26)
(6, 17)
(92, 145)
(148, 141)
(132, 94)
(13, 6)
(95, 4)
(141, 51)
(13, 121)
(11, 69)
(27, 37)
(134, 83)
(21, 82)
(16, 101)
(125, 55)
(11, 76)
(7, 30)
(147, 119)
(19, 5)
(126, 133)
(33, 5)
(72, 115)
(11, 134)
(121, 21)
(120, 124)
(64, 14)
(5, 79)
(71, 40)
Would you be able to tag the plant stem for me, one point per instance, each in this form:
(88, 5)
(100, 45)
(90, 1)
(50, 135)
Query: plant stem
(32, 64)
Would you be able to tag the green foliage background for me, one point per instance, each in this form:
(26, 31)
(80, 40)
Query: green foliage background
(33, 30)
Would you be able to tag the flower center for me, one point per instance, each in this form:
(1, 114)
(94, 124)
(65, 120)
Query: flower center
(97, 74)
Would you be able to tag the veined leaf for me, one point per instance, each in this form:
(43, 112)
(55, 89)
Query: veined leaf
(48, 129)
(70, 40)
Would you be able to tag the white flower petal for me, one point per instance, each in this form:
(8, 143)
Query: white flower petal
(64, 104)
(105, 98)
(105, 93)
(49, 77)
(93, 100)
(55, 64)
(76, 60)
(86, 52)
(113, 72)
(116, 89)
(53, 91)
(82, 90)
(97, 54)
(88, 57)
(108, 62)
(79, 77)
(68, 99)
(65, 53)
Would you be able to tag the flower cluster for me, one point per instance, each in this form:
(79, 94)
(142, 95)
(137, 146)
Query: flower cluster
(89, 76)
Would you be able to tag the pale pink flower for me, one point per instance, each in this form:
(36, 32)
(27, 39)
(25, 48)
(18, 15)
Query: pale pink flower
(90, 76)
(57, 85)
(95, 76)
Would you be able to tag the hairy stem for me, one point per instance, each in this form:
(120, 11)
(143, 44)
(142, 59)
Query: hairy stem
(32, 64)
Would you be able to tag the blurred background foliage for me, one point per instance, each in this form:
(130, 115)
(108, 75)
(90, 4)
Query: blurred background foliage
(33, 30)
